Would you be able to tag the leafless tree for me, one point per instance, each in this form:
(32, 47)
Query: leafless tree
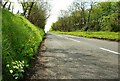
(5, 3)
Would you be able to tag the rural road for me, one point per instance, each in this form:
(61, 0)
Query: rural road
(72, 57)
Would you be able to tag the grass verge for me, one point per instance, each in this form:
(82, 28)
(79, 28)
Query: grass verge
(20, 41)
(113, 36)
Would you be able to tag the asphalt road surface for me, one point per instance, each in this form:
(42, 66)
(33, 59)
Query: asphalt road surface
(72, 57)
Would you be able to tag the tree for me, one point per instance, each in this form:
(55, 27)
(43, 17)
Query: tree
(25, 6)
(5, 4)
(102, 16)
(89, 16)
(9, 6)
(31, 5)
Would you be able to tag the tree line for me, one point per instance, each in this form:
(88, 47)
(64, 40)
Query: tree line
(89, 16)
(36, 11)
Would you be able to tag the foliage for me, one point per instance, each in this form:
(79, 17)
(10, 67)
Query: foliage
(36, 12)
(38, 15)
(102, 16)
(20, 41)
(109, 23)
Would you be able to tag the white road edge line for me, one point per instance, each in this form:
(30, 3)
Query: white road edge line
(110, 51)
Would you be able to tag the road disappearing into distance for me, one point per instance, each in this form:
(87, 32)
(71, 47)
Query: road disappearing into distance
(72, 57)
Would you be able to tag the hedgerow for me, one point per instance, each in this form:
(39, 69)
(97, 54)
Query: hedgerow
(20, 41)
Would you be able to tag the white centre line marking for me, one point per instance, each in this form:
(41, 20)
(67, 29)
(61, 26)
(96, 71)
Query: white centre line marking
(74, 40)
(68, 38)
(110, 51)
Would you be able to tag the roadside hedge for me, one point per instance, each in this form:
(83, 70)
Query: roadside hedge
(20, 41)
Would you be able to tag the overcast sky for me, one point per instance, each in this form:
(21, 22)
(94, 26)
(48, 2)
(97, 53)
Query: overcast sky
(56, 6)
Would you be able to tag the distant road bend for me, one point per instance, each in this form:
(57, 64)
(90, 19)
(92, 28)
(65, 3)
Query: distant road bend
(72, 57)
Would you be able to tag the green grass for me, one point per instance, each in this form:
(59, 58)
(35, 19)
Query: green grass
(113, 36)
(20, 41)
